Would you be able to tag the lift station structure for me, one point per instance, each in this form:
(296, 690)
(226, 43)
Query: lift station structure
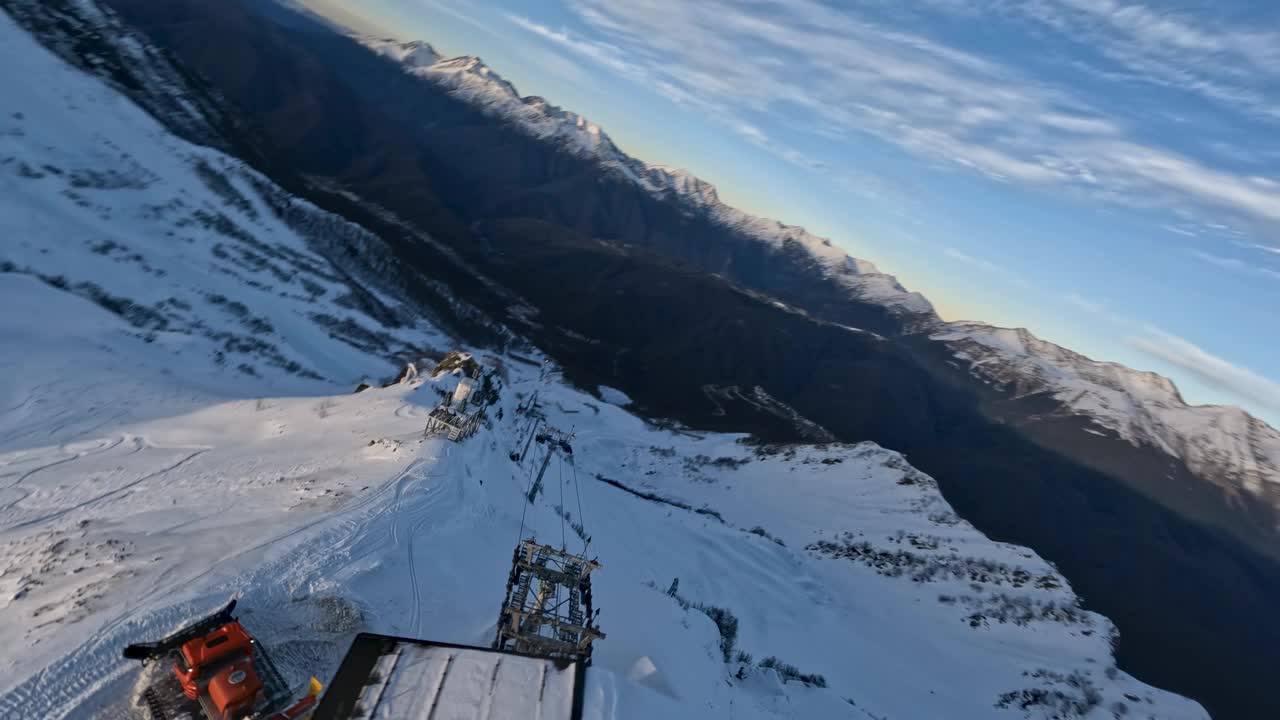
(457, 417)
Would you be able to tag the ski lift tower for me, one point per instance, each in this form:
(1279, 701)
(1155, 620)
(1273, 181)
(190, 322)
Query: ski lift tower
(547, 611)
(554, 440)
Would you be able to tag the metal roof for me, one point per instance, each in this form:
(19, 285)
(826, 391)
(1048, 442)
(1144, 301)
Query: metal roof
(388, 678)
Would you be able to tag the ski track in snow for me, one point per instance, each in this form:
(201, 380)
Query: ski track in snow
(416, 523)
(107, 495)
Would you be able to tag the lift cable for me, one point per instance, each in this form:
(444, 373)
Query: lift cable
(582, 520)
(560, 469)
(524, 505)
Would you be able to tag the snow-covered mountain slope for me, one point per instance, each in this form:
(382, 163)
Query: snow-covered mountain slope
(197, 253)
(1222, 444)
(176, 353)
(93, 39)
(469, 79)
(332, 515)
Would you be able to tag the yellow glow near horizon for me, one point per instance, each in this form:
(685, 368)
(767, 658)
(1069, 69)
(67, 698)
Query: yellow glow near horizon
(352, 18)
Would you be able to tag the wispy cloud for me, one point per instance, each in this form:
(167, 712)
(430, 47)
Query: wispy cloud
(1136, 43)
(1263, 248)
(602, 53)
(1235, 264)
(1182, 230)
(1096, 307)
(1217, 372)
(836, 73)
(1100, 308)
(987, 266)
(752, 133)
(449, 8)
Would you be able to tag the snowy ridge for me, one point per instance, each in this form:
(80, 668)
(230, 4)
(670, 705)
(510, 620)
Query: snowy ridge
(1222, 444)
(468, 78)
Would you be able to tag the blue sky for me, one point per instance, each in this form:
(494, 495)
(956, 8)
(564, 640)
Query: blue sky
(1103, 172)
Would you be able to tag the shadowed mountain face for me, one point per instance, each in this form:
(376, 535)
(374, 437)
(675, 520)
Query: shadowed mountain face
(637, 292)
(672, 338)
(327, 106)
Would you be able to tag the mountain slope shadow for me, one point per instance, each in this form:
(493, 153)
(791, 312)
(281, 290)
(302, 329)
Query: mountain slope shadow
(1193, 604)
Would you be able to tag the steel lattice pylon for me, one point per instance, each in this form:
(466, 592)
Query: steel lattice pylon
(547, 611)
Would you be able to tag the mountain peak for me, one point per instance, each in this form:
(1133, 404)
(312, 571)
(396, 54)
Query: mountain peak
(1020, 341)
(417, 53)
(684, 183)
(1221, 443)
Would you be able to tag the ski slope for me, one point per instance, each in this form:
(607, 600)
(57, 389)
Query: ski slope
(177, 427)
(331, 515)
